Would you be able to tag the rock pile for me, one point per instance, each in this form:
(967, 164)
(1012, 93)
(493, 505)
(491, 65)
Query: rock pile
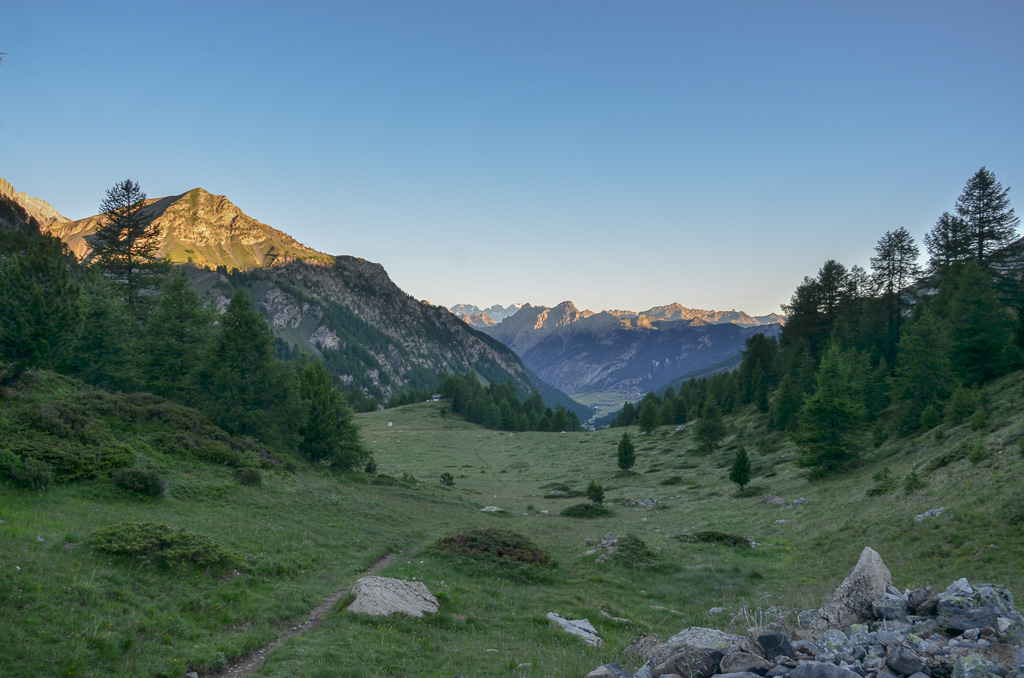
(868, 629)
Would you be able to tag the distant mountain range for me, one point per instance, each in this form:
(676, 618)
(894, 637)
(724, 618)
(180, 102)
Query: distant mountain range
(344, 309)
(479, 318)
(579, 351)
(476, 316)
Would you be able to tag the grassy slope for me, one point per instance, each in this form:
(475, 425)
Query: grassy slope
(74, 611)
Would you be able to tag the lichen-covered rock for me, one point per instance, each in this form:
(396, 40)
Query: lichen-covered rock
(976, 666)
(962, 606)
(821, 670)
(851, 603)
(383, 596)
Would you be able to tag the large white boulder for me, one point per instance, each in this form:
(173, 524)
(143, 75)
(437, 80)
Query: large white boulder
(382, 597)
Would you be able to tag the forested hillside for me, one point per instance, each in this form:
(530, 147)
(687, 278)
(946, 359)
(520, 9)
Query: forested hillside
(870, 354)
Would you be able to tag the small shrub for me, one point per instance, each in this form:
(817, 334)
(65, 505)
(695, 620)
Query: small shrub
(371, 466)
(978, 453)
(633, 551)
(139, 481)
(29, 473)
(1012, 510)
(714, 537)
(930, 418)
(1020, 445)
(587, 510)
(248, 476)
(913, 482)
(979, 419)
(673, 480)
(885, 482)
(595, 492)
(962, 404)
(515, 556)
(159, 544)
(447, 480)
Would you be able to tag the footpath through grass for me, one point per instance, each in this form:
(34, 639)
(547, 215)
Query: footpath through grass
(302, 535)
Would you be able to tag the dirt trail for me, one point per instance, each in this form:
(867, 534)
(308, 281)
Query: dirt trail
(243, 666)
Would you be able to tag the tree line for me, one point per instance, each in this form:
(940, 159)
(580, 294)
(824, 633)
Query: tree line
(497, 406)
(869, 354)
(123, 321)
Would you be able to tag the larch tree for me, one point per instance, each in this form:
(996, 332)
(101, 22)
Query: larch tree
(894, 269)
(126, 245)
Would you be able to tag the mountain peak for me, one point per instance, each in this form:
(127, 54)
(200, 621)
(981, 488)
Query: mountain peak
(204, 229)
(42, 211)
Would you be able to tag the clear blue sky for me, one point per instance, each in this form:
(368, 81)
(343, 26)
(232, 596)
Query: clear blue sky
(619, 154)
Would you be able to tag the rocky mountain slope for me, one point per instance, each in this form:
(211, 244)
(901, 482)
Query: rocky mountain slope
(344, 309)
(580, 351)
(40, 210)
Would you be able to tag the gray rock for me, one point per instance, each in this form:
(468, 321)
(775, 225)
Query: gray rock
(382, 597)
(890, 606)
(962, 606)
(612, 670)
(931, 513)
(739, 674)
(886, 672)
(743, 662)
(821, 670)
(805, 647)
(775, 645)
(919, 675)
(905, 661)
(686, 662)
(582, 628)
(851, 602)
(643, 646)
(806, 617)
(779, 670)
(922, 602)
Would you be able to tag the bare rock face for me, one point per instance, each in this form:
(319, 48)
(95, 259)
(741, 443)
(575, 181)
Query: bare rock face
(383, 597)
(851, 603)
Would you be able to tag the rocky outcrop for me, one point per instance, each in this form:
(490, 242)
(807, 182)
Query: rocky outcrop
(383, 597)
(968, 631)
(852, 601)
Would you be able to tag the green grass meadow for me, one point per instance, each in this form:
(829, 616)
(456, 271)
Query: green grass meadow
(69, 610)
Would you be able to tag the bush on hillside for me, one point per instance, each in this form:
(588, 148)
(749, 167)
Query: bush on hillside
(595, 492)
(587, 510)
(714, 537)
(139, 481)
(28, 473)
(513, 554)
(634, 552)
(160, 544)
(248, 476)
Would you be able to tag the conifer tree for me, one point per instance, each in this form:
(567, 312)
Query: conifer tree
(126, 245)
(39, 307)
(177, 335)
(106, 348)
(948, 242)
(710, 429)
(924, 376)
(830, 419)
(560, 420)
(981, 328)
(984, 206)
(627, 452)
(329, 432)
(247, 389)
(739, 473)
(647, 415)
(895, 269)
